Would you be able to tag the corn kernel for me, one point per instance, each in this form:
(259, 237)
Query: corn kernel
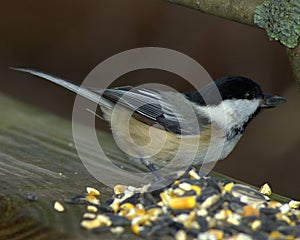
(59, 207)
(265, 189)
(182, 202)
(92, 191)
(92, 199)
(92, 209)
(228, 186)
(250, 211)
(118, 189)
(197, 189)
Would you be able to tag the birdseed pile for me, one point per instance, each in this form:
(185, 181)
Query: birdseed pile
(192, 207)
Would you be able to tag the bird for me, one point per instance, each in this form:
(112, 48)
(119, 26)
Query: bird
(214, 116)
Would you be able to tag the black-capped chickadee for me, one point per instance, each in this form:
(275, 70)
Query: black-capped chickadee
(176, 117)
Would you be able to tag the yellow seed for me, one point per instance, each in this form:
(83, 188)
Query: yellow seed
(197, 189)
(276, 235)
(117, 230)
(195, 225)
(185, 186)
(233, 221)
(194, 175)
(92, 209)
(104, 220)
(182, 202)
(292, 223)
(135, 229)
(140, 210)
(240, 236)
(228, 186)
(90, 224)
(131, 214)
(250, 211)
(172, 194)
(180, 235)
(126, 207)
(153, 213)
(92, 199)
(165, 197)
(279, 216)
(217, 233)
(294, 204)
(193, 215)
(283, 217)
(265, 189)
(210, 201)
(223, 214)
(118, 189)
(285, 208)
(202, 212)
(274, 204)
(101, 220)
(59, 207)
(182, 218)
(187, 219)
(287, 219)
(297, 213)
(89, 215)
(140, 220)
(92, 191)
(115, 205)
(178, 192)
(256, 225)
(176, 182)
(127, 210)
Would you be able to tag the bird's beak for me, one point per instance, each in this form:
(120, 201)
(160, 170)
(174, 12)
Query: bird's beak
(270, 101)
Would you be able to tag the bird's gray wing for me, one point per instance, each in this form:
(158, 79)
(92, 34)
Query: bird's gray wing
(170, 110)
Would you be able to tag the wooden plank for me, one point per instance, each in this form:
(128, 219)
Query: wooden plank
(37, 156)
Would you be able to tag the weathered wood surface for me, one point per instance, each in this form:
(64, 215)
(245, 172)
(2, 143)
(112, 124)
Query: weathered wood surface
(37, 155)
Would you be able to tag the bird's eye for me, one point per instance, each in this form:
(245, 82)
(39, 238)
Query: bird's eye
(248, 95)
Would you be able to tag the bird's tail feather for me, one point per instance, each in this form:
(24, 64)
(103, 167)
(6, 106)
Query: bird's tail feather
(74, 87)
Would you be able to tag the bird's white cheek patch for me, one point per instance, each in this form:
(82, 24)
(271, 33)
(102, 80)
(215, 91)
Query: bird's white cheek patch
(231, 113)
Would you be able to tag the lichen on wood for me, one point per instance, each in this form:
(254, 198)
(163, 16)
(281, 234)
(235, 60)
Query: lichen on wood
(294, 56)
(280, 19)
(235, 10)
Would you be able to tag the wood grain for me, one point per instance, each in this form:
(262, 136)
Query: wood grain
(37, 156)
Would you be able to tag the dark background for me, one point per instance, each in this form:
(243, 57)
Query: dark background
(69, 38)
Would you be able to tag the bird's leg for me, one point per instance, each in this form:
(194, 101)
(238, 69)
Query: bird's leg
(152, 167)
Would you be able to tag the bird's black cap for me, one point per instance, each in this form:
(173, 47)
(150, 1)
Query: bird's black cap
(237, 87)
(228, 87)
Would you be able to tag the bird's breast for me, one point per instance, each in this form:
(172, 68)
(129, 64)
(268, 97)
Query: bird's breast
(142, 141)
